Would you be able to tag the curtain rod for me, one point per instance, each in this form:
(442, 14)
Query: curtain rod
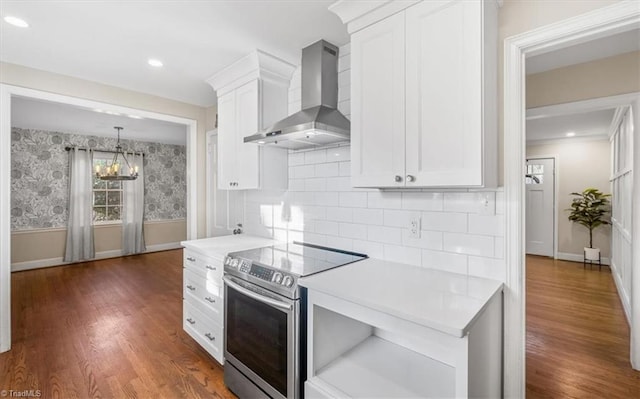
(111, 151)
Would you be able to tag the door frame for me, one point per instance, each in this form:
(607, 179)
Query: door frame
(602, 22)
(9, 91)
(555, 198)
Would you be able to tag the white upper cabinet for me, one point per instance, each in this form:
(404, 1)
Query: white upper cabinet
(252, 93)
(423, 93)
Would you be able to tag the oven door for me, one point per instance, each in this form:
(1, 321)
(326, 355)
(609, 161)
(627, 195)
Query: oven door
(261, 331)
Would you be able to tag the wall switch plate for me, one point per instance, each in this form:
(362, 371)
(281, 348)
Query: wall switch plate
(486, 203)
(414, 227)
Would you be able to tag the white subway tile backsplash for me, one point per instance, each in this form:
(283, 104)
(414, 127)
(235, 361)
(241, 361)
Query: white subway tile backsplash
(328, 228)
(368, 216)
(499, 248)
(383, 199)
(422, 201)
(343, 243)
(455, 263)
(315, 156)
(294, 107)
(296, 158)
(397, 218)
(339, 154)
(396, 253)
(344, 50)
(345, 108)
(302, 171)
(328, 169)
(353, 230)
(371, 249)
(326, 198)
(344, 79)
(345, 168)
(353, 199)
(427, 240)
(315, 184)
(500, 202)
(444, 221)
(487, 268)
(296, 185)
(470, 202)
(339, 183)
(468, 244)
(344, 63)
(391, 235)
(491, 225)
(339, 214)
(314, 238)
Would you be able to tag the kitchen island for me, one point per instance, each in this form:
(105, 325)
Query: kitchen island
(384, 329)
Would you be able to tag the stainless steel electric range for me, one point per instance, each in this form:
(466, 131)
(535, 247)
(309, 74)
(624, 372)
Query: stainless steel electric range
(265, 316)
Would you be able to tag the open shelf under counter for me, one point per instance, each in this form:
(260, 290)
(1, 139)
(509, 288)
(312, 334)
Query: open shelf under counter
(379, 368)
(384, 329)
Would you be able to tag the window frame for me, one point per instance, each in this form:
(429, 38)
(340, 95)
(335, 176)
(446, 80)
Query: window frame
(107, 157)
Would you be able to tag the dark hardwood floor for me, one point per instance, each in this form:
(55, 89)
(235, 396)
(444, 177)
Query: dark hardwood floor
(109, 328)
(577, 334)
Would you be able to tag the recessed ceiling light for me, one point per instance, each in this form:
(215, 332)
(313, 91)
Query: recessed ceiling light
(15, 21)
(134, 116)
(155, 63)
(571, 134)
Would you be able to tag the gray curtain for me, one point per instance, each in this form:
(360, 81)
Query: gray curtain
(80, 225)
(133, 210)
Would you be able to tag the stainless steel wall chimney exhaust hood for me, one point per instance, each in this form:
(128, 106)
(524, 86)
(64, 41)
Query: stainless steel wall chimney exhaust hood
(319, 123)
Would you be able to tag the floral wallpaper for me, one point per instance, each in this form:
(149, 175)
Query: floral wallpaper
(40, 177)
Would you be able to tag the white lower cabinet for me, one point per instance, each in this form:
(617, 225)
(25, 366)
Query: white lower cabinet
(355, 351)
(203, 301)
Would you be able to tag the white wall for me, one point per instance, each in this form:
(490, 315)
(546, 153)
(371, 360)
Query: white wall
(580, 164)
(325, 210)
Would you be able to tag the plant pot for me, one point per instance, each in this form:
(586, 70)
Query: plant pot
(591, 253)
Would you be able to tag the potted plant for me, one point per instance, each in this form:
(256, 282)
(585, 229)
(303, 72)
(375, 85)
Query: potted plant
(590, 208)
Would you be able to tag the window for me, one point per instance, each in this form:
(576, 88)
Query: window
(535, 174)
(107, 195)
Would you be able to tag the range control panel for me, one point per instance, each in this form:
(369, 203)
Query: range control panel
(260, 272)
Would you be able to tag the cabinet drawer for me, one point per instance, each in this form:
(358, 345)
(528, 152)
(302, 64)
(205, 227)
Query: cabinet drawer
(208, 267)
(205, 292)
(204, 330)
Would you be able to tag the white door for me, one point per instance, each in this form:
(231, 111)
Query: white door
(377, 104)
(539, 182)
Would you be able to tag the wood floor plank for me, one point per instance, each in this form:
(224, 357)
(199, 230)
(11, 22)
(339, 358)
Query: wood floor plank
(577, 333)
(110, 329)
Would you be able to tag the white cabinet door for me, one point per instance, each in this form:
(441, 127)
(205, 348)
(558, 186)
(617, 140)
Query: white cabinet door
(444, 94)
(247, 108)
(377, 103)
(227, 142)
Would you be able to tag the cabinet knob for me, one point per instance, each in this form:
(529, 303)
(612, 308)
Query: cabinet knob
(411, 178)
(398, 179)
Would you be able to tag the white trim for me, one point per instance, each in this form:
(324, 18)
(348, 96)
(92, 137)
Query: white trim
(580, 107)
(6, 92)
(568, 140)
(626, 302)
(209, 195)
(609, 20)
(114, 253)
(556, 182)
(579, 257)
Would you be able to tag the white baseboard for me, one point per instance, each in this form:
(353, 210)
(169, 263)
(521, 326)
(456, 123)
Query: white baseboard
(626, 302)
(578, 258)
(40, 263)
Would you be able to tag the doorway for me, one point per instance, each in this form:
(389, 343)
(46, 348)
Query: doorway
(622, 16)
(540, 206)
(7, 93)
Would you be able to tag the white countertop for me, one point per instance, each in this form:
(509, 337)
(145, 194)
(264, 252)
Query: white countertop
(221, 246)
(444, 301)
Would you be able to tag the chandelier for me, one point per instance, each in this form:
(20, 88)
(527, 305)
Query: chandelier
(116, 171)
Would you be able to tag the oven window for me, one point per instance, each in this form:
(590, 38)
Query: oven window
(257, 336)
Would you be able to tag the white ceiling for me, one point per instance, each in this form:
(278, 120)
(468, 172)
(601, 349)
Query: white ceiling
(110, 41)
(28, 113)
(591, 124)
(596, 49)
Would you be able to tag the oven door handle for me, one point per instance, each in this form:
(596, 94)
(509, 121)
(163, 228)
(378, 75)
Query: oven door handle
(256, 296)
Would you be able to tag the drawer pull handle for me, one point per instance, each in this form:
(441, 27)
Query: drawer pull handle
(210, 299)
(211, 267)
(191, 259)
(191, 321)
(211, 337)
(191, 287)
